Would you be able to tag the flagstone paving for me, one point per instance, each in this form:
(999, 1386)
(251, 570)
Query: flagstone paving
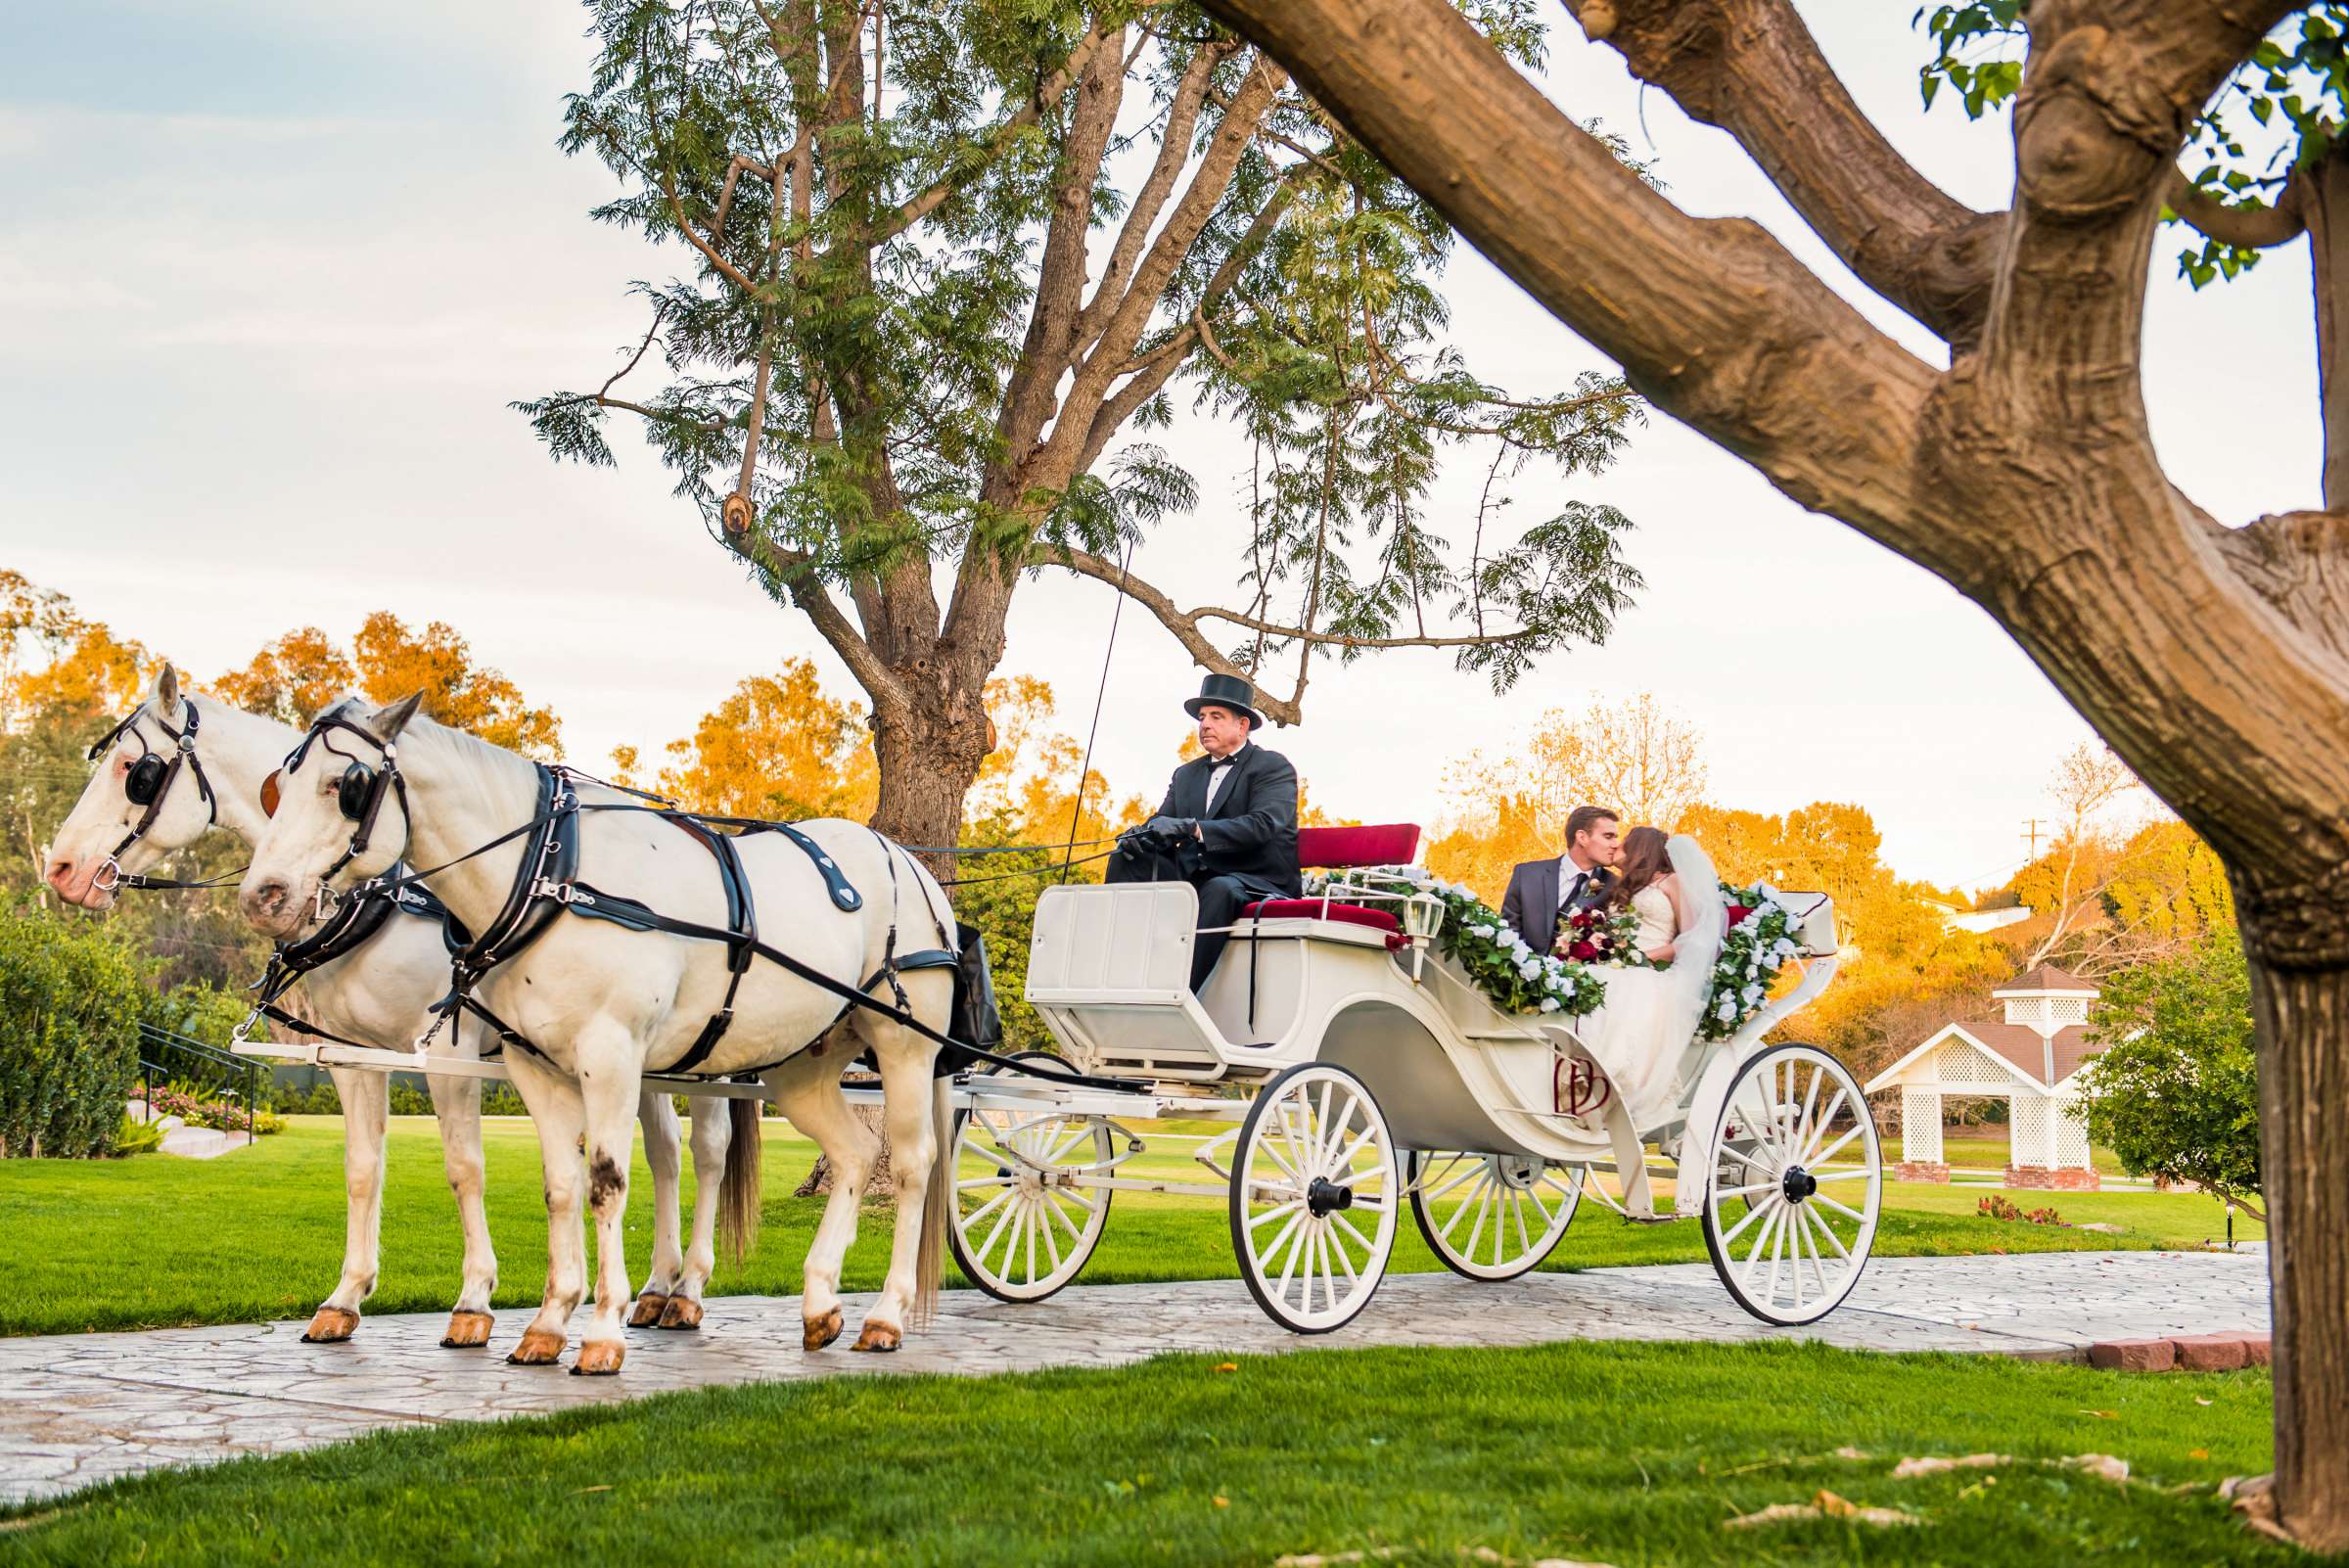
(80, 1409)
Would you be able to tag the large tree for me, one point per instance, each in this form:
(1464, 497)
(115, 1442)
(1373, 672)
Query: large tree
(2214, 658)
(948, 258)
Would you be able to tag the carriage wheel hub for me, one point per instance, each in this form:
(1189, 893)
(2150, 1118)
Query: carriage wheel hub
(1799, 1183)
(1325, 1195)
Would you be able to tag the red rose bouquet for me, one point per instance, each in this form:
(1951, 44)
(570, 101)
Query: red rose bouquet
(1600, 935)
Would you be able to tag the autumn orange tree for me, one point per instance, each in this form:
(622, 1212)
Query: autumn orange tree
(2213, 658)
(779, 746)
(297, 677)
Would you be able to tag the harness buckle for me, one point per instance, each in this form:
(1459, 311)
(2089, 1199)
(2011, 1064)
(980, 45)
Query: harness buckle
(108, 875)
(562, 893)
(244, 1031)
(323, 901)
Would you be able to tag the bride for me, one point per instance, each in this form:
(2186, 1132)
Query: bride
(1641, 1034)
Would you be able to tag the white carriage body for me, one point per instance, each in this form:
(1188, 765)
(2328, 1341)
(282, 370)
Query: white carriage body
(1107, 969)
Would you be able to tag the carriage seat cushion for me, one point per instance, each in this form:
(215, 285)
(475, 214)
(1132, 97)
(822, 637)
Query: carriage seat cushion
(1381, 843)
(1353, 914)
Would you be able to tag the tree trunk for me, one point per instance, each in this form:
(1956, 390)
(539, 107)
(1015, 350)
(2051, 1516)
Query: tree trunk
(2303, 1020)
(876, 1185)
(2323, 193)
(929, 750)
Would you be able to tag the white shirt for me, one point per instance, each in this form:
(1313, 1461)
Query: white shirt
(1219, 772)
(1567, 872)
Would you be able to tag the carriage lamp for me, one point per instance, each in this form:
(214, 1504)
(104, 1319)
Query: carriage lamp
(1422, 916)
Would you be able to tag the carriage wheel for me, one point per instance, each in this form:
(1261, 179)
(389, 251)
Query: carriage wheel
(1791, 1210)
(1492, 1216)
(1312, 1198)
(1020, 1234)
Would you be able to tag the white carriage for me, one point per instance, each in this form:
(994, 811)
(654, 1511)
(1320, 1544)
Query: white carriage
(1382, 1079)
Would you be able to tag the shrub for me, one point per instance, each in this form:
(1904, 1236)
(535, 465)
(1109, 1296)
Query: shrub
(135, 1136)
(172, 1100)
(1995, 1207)
(2176, 1091)
(70, 1000)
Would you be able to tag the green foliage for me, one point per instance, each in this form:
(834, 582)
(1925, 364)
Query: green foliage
(134, 1136)
(1003, 908)
(2176, 1091)
(1496, 960)
(876, 272)
(70, 1000)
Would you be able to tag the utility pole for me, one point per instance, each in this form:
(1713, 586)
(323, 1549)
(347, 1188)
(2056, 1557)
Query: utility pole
(2031, 833)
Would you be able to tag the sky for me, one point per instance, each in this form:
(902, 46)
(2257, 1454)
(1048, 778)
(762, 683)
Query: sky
(272, 271)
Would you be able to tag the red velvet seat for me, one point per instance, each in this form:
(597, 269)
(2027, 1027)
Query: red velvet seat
(1379, 844)
(1376, 843)
(1353, 914)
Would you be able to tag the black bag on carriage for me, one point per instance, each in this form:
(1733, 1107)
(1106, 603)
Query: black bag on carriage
(975, 1020)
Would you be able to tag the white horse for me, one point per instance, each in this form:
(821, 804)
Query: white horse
(376, 994)
(601, 1003)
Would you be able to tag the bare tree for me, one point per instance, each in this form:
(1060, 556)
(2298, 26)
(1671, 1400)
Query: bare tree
(2215, 660)
(1644, 761)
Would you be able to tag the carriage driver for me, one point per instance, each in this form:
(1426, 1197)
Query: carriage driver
(1228, 826)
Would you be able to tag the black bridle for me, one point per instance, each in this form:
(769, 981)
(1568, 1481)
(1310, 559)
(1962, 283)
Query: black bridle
(358, 795)
(149, 784)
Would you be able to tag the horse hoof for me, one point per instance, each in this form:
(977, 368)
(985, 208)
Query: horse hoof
(878, 1337)
(467, 1330)
(681, 1312)
(331, 1327)
(539, 1348)
(648, 1310)
(599, 1358)
(817, 1332)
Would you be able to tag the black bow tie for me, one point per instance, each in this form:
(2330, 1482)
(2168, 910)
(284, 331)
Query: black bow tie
(1225, 762)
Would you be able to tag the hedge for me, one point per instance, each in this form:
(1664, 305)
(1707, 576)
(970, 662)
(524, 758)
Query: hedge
(70, 1000)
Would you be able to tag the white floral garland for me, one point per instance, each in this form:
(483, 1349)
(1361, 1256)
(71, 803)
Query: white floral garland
(1756, 948)
(1517, 979)
(1501, 964)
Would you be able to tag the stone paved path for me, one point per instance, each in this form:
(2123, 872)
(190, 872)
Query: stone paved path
(85, 1407)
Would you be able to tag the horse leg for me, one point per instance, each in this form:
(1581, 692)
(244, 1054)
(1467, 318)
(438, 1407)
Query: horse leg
(911, 1102)
(610, 1084)
(712, 1132)
(662, 1140)
(457, 1103)
(807, 1092)
(557, 1113)
(366, 1105)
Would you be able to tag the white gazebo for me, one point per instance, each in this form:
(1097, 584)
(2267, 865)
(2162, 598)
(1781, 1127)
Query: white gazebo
(2032, 1057)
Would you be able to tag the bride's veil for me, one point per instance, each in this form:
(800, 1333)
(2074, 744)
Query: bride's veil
(1704, 923)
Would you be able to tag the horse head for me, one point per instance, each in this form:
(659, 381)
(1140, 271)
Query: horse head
(338, 814)
(148, 797)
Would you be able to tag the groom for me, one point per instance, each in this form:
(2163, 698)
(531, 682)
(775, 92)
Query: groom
(1543, 893)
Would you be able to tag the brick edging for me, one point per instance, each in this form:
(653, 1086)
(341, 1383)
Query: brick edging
(2184, 1353)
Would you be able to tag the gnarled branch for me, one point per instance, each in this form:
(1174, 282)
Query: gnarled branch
(1742, 65)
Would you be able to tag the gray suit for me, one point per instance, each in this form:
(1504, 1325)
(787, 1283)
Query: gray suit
(1532, 906)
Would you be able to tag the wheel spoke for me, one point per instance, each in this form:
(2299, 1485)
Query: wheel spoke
(1461, 1212)
(1753, 1211)
(1525, 1243)
(1470, 1172)
(1273, 1213)
(1809, 1104)
(1832, 1149)
(1850, 1214)
(1770, 1227)
(1810, 1145)
(986, 1248)
(1051, 1241)
(1861, 1175)
(1339, 1219)
(1826, 1228)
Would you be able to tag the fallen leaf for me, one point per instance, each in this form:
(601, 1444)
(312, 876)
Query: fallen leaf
(1223, 1502)
(2103, 1415)
(583, 1491)
(1847, 1451)
(1936, 1466)
(2199, 1400)
(2197, 1453)
(1227, 1366)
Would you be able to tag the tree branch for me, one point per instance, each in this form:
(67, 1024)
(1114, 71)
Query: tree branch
(1048, 91)
(1752, 69)
(2254, 228)
(1713, 320)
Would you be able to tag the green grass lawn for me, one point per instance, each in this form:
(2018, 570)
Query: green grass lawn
(1622, 1453)
(1984, 1147)
(156, 1241)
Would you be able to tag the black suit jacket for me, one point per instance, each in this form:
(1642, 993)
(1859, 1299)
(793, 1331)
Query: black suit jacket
(1252, 828)
(1531, 906)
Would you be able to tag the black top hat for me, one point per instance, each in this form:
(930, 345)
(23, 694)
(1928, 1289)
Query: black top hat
(1226, 691)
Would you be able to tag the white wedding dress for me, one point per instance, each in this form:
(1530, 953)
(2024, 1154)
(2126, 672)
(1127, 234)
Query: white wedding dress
(1640, 1035)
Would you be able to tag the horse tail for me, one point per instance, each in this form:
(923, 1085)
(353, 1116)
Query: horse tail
(739, 1197)
(937, 1200)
